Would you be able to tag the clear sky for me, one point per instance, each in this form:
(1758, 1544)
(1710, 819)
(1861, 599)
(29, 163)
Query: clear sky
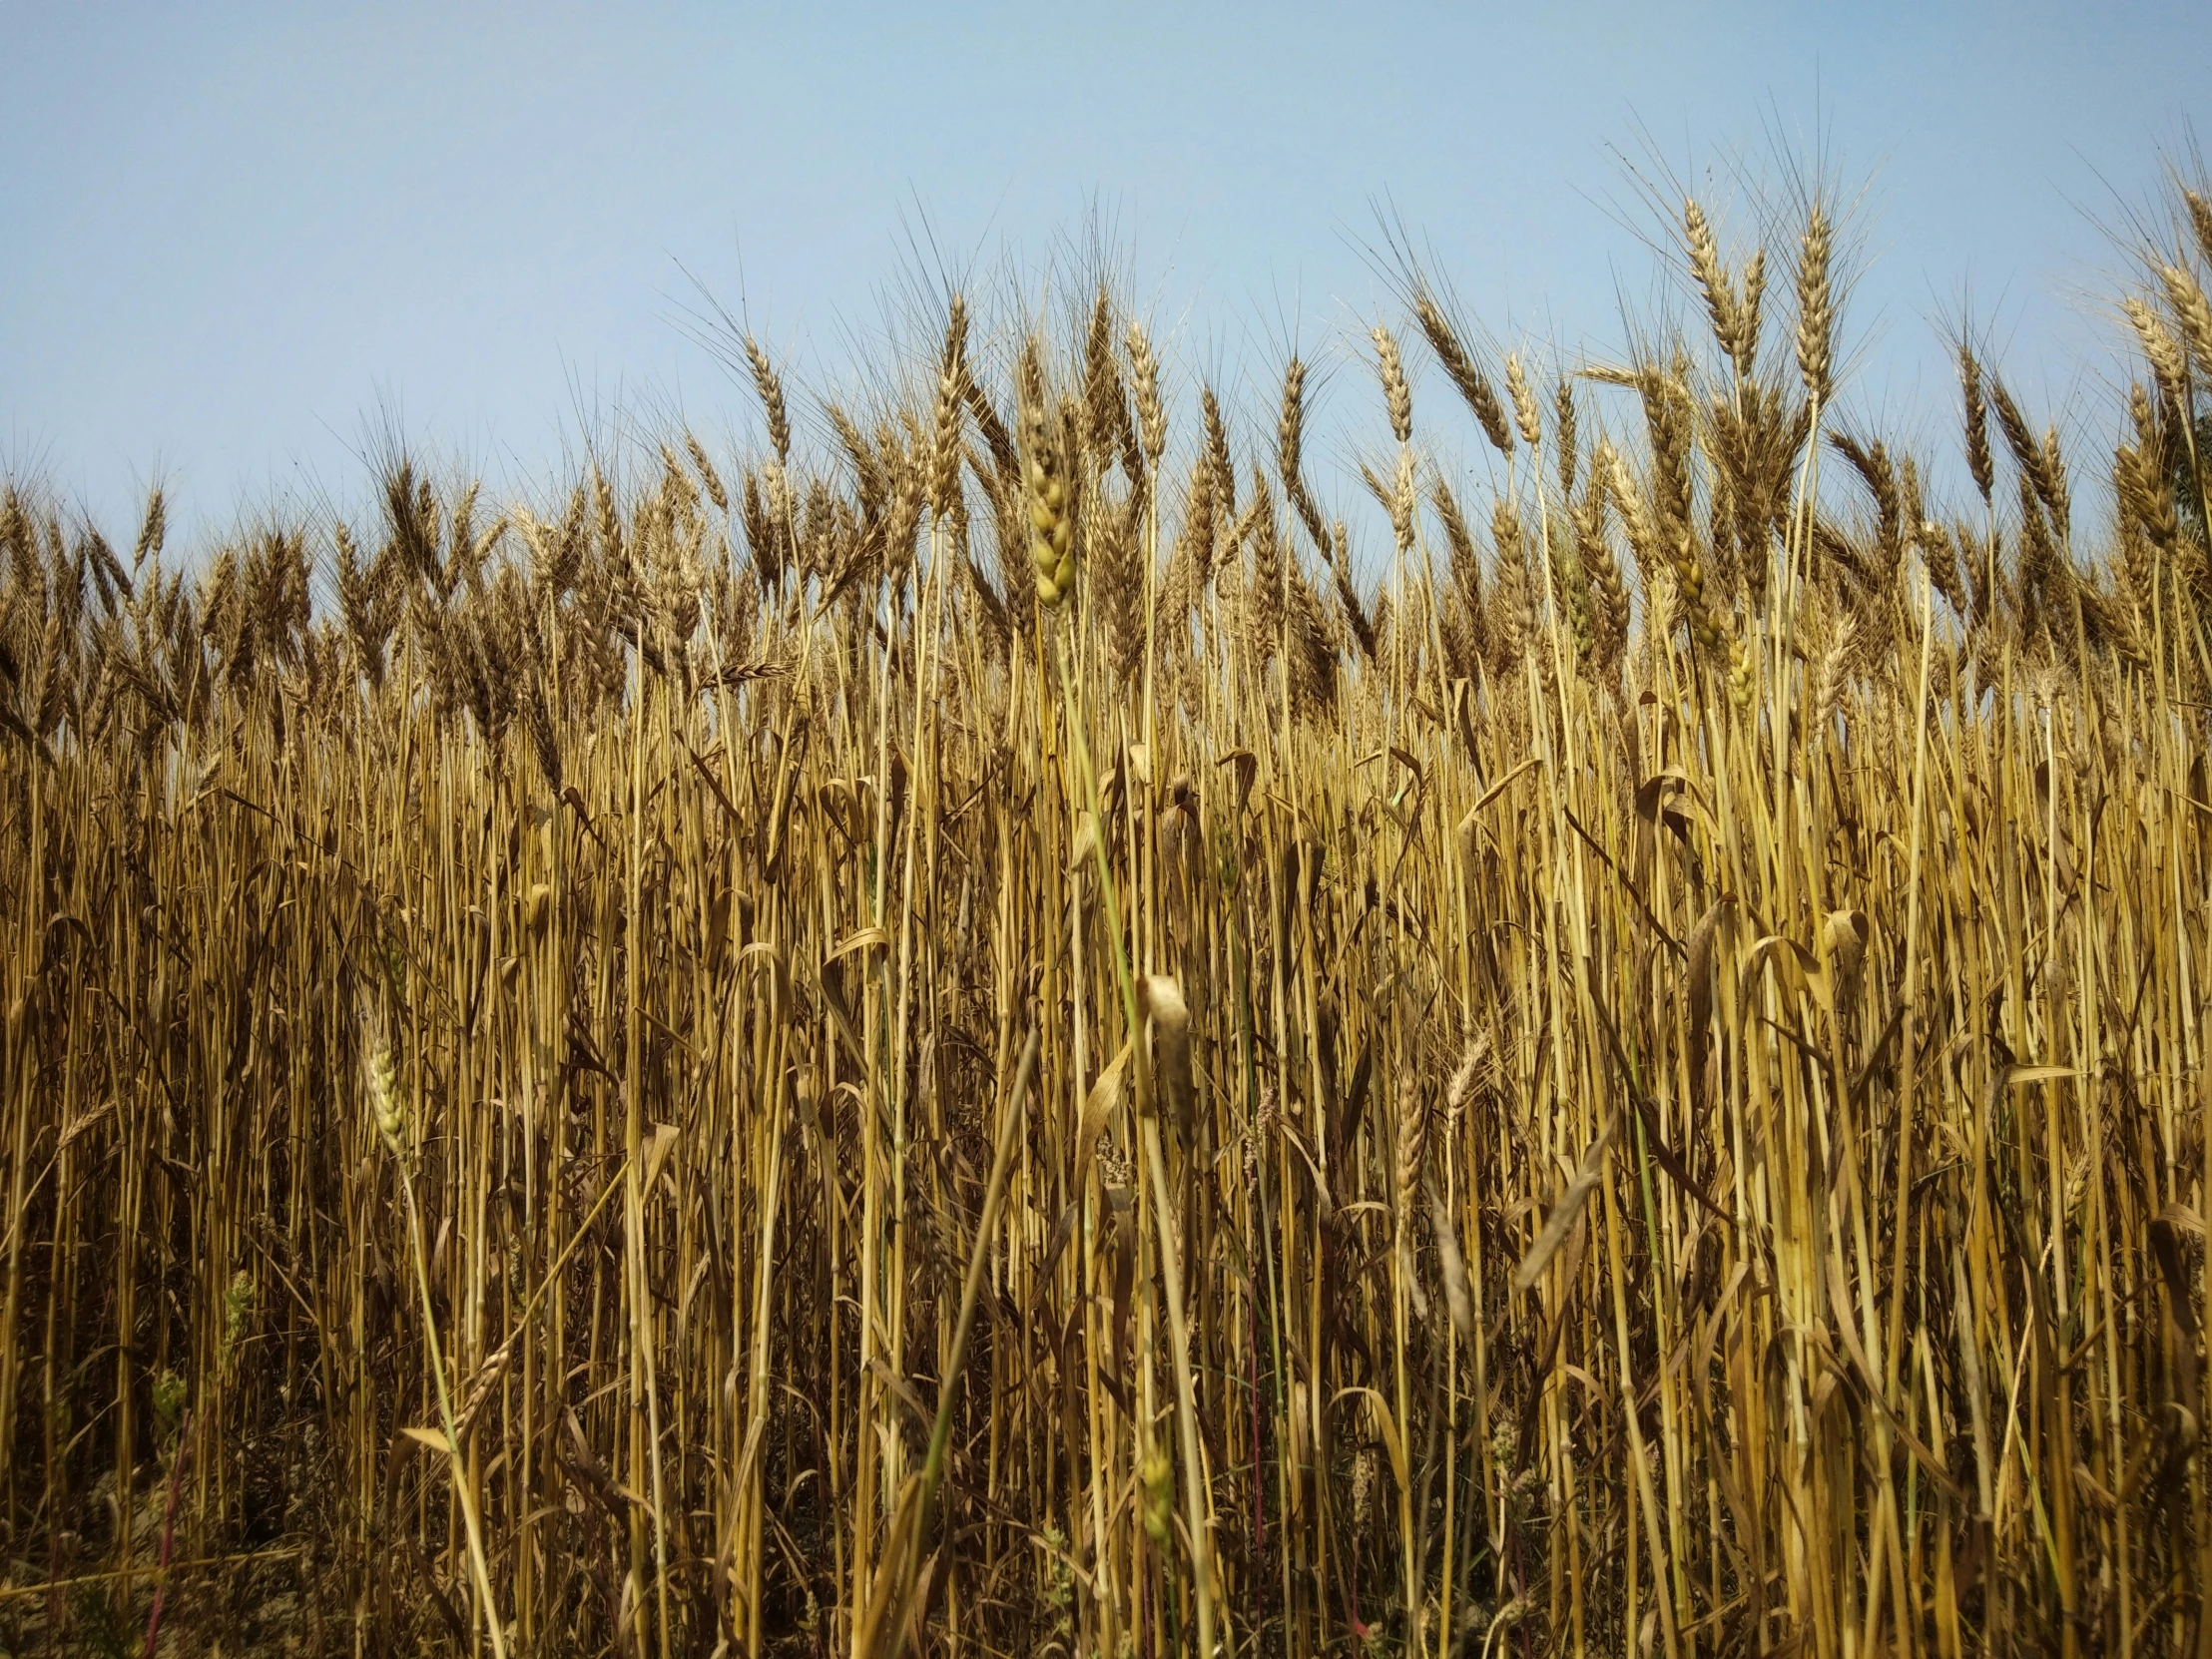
(233, 235)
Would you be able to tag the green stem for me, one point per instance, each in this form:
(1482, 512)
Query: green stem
(908, 1566)
(461, 1489)
(1185, 1409)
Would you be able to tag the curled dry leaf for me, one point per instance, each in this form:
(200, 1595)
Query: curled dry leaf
(1699, 989)
(1566, 1212)
(1457, 1297)
(1098, 1106)
(1171, 1034)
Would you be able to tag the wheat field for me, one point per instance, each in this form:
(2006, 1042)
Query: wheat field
(986, 1029)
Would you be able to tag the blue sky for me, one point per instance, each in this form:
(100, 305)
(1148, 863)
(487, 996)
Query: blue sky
(233, 235)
